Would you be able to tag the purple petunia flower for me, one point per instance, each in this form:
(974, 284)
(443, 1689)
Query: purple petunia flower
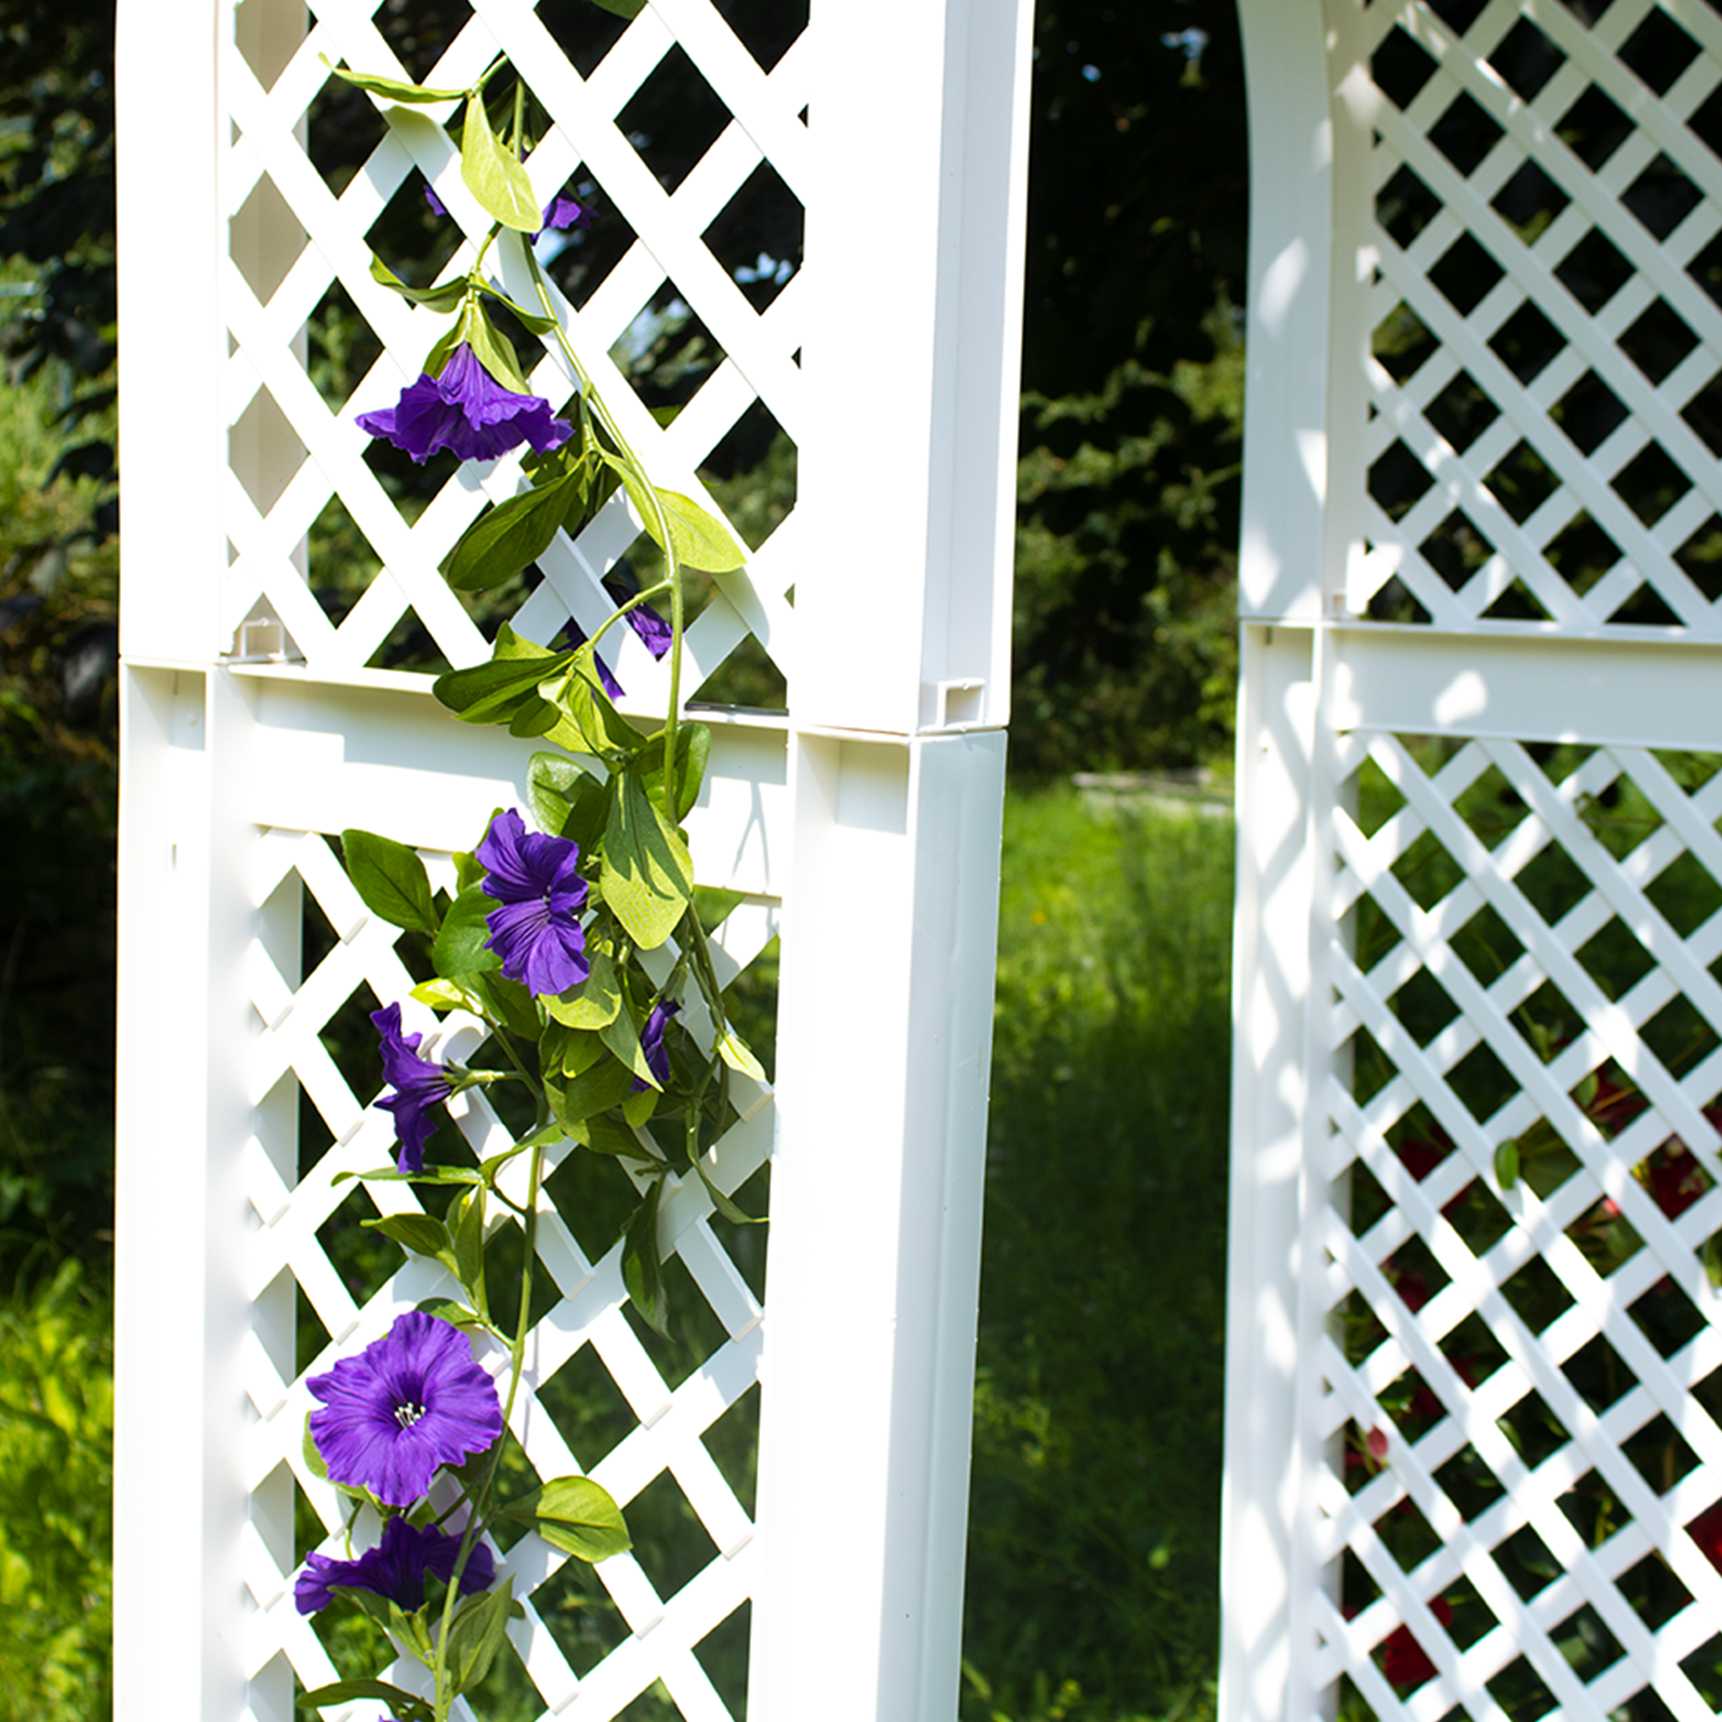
(410, 1402)
(652, 1041)
(395, 1568)
(572, 636)
(420, 1087)
(561, 211)
(537, 930)
(467, 411)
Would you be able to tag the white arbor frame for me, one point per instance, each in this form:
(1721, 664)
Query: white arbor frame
(864, 822)
(1484, 317)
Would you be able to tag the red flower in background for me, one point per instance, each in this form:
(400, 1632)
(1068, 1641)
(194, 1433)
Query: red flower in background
(1706, 1532)
(1420, 1155)
(1403, 1659)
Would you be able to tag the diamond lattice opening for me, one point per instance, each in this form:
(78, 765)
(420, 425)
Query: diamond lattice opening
(1530, 202)
(264, 450)
(1456, 550)
(1658, 51)
(769, 28)
(1405, 206)
(1466, 274)
(757, 236)
(1526, 59)
(1401, 342)
(1589, 412)
(267, 238)
(1594, 270)
(1526, 342)
(1398, 481)
(1593, 128)
(1662, 196)
(1400, 67)
(666, 353)
(1651, 484)
(673, 118)
(1465, 134)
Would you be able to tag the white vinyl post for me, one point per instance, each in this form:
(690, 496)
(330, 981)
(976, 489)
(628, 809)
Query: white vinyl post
(1288, 563)
(180, 1503)
(891, 906)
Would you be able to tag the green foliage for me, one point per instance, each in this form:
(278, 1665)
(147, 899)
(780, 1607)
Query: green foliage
(56, 1431)
(1133, 388)
(1094, 1530)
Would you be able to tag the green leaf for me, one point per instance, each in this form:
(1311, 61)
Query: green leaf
(494, 176)
(606, 1134)
(642, 1271)
(623, 1039)
(714, 906)
(734, 1051)
(579, 693)
(408, 1707)
(567, 1052)
(443, 298)
(419, 1233)
(469, 1321)
(493, 692)
(595, 1003)
(467, 1230)
(581, 1518)
(395, 89)
(648, 876)
(477, 1635)
(536, 321)
(314, 1462)
(508, 537)
(621, 8)
(1507, 1164)
(735, 1215)
(391, 880)
(693, 750)
(427, 1175)
(446, 995)
(639, 1106)
(460, 949)
(561, 793)
(508, 1003)
(596, 1089)
(700, 540)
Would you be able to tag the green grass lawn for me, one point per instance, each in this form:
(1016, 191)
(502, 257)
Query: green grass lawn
(1091, 1591)
(1093, 1553)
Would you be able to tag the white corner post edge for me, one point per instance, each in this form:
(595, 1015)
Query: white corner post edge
(1285, 556)
(897, 779)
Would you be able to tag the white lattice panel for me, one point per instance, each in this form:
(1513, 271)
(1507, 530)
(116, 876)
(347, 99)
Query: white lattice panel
(659, 1633)
(283, 614)
(1473, 1431)
(1542, 286)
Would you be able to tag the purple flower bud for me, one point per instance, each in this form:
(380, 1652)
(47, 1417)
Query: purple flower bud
(467, 411)
(652, 1041)
(420, 1087)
